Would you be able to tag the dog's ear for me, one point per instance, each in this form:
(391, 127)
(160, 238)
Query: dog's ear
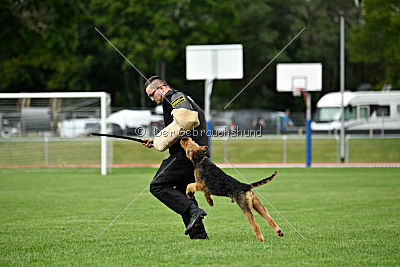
(204, 149)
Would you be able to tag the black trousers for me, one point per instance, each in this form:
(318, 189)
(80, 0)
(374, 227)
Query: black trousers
(169, 186)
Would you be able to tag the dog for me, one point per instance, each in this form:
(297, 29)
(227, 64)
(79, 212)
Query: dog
(213, 181)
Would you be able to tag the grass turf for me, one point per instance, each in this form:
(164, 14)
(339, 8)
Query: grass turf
(52, 216)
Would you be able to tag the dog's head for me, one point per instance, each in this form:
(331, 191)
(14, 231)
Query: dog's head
(193, 150)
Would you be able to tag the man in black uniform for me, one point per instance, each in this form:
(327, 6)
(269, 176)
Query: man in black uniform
(177, 171)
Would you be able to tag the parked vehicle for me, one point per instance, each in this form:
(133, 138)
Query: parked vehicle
(243, 120)
(221, 121)
(123, 122)
(364, 112)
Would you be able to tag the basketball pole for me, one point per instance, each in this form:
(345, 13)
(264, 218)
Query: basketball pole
(308, 130)
(207, 103)
(307, 102)
(342, 73)
(213, 62)
(301, 79)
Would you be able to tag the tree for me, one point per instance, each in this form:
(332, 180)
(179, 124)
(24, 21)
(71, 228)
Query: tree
(153, 34)
(38, 47)
(265, 27)
(375, 41)
(320, 41)
(52, 45)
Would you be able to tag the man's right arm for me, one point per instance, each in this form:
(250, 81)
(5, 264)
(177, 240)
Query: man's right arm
(149, 142)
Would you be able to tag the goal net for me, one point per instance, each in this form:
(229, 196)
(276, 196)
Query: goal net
(53, 130)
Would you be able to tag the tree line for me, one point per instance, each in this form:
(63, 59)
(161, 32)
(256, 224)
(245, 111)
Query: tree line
(51, 45)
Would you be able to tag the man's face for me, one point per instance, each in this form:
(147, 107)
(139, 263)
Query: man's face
(155, 93)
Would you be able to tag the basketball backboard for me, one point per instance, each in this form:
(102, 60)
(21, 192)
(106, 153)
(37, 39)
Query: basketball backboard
(210, 62)
(295, 76)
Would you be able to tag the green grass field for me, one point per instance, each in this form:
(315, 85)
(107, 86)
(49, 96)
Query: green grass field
(52, 216)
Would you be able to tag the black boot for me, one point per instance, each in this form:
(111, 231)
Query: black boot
(200, 236)
(196, 214)
(198, 231)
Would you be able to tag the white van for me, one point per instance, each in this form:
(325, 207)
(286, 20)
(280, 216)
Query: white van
(364, 111)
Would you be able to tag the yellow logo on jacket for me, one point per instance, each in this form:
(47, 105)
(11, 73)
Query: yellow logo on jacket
(178, 101)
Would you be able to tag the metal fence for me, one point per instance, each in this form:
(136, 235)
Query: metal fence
(51, 151)
(361, 148)
(291, 148)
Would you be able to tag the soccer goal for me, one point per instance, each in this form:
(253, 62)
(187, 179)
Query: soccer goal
(53, 130)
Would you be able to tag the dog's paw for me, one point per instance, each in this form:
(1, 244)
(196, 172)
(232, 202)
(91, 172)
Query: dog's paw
(279, 233)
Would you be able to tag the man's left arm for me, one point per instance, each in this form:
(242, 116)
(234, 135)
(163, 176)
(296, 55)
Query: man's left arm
(180, 100)
(185, 119)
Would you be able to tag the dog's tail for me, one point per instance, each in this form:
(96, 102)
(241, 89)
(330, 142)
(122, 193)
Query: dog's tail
(264, 181)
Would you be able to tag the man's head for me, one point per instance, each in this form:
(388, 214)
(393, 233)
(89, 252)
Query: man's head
(156, 88)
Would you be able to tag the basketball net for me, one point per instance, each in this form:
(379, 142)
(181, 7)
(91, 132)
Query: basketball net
(297, 91)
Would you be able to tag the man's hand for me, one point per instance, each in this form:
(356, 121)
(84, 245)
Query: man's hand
(149, 142)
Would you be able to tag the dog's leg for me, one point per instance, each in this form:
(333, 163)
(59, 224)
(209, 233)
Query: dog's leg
(245, 203)
(193, 187)
(207, 195)
(190, 190)
(263, 212)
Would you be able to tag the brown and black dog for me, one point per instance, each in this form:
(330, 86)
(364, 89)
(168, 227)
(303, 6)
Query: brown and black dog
(213, 181)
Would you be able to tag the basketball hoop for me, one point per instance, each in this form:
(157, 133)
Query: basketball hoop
(300, 79)
(297, 91)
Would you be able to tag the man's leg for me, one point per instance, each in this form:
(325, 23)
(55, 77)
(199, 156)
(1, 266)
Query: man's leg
(169, 186)
(163, 186)
(198, 231)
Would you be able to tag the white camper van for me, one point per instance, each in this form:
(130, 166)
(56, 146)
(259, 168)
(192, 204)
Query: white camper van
(364, 111)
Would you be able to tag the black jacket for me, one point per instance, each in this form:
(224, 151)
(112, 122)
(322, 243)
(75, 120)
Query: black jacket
(175, 99)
